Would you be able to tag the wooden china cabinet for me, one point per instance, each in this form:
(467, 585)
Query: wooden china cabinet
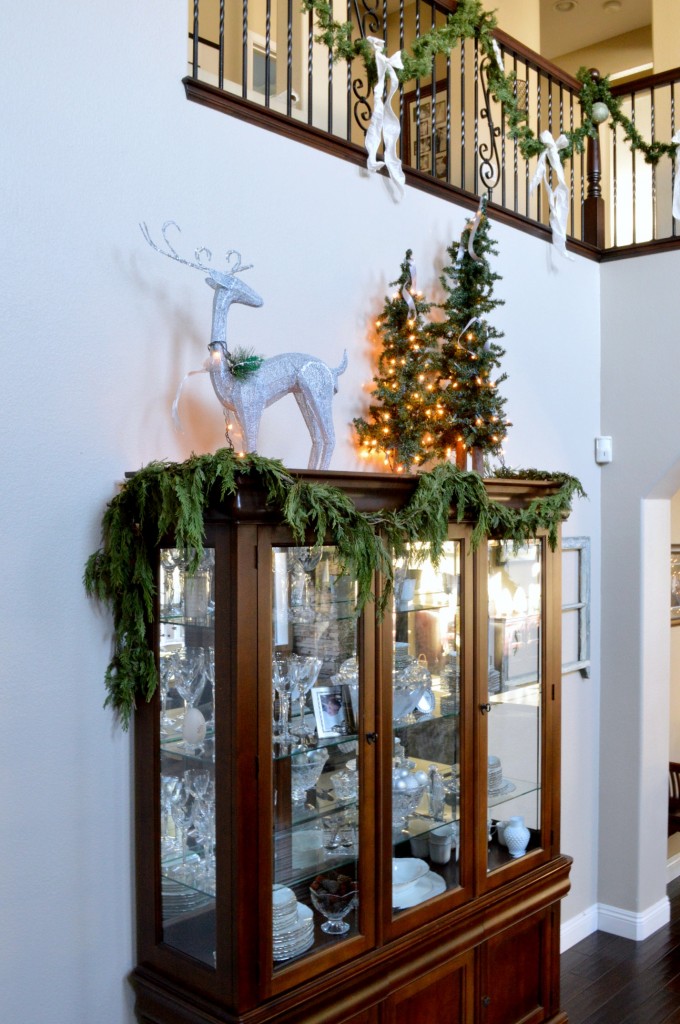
(326, 802)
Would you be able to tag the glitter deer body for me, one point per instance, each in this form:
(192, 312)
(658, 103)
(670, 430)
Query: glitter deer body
(309, 379)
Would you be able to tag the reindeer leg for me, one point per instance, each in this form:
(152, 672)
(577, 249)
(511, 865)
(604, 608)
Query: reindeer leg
(305, 400)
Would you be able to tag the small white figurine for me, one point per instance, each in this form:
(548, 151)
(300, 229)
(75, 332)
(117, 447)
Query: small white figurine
(312, 382)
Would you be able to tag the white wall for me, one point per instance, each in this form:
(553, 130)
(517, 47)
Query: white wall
(640, 362)
(98, 331)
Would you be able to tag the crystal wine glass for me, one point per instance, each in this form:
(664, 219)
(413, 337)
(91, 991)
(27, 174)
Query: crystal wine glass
(204, 823)
(191, 675)
(304, 672)
(282, 685)
(183, 815)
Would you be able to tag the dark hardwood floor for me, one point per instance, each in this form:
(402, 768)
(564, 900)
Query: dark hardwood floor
(608, 980)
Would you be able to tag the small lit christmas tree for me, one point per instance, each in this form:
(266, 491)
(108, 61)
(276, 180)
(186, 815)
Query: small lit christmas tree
(399, 427)
(473, 418)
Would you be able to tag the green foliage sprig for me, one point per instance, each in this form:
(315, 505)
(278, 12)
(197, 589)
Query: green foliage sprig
(242, 362)
(166, 498)
(471, 21)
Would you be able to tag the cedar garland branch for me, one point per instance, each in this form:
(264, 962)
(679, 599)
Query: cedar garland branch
(170, 499)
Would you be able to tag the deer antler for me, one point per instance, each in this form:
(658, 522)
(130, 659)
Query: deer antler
(196, 263)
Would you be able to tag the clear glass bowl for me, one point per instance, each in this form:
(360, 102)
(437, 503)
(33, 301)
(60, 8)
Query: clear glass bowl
(334, 895)
(305, 769)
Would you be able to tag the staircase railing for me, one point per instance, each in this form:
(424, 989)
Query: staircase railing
(260, 60)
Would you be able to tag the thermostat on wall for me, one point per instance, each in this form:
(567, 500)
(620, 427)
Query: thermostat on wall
(603, 450)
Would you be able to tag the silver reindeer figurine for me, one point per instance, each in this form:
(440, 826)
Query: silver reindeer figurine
(312, 382)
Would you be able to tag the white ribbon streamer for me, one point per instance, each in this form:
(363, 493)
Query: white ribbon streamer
(384, 122)
(498, 55)
(178, 393)
(676, 183)
(558, 198)
(406, 294)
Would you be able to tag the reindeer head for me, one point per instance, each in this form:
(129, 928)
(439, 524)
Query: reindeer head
(227, 286)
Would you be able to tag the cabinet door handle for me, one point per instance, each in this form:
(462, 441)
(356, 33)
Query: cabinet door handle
(371, 737)
(485, 708)
(486, 1000)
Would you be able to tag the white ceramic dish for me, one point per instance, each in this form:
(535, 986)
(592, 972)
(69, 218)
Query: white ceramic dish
(424, 888)
(406, 871)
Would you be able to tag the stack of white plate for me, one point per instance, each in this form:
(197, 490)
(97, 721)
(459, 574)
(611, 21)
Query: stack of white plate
(293, 924)
(413, 882)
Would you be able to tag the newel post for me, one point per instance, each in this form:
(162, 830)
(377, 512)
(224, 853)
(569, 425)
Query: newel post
(593, 204)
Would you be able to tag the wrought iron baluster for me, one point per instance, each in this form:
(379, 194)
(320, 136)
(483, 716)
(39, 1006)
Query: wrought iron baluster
(310, 69)
(267, 51)
(615, 195)
(220, 53)
(673, 172)
(475, 177)
(244, 52)
(653, 138)
(194, 49)
(515, 147)
(634, 167)
(368, 22)
(289, 61)
(488, 152)
(463, 54)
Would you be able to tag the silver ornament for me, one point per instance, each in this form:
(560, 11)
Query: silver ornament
(599, 112)
(311, 381)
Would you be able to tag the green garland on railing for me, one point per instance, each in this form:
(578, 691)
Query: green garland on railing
(171, 498)
(471, 21)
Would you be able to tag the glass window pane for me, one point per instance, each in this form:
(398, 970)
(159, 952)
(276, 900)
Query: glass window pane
(515, 698)
(187, 791)
(426, 678)
(316, 768)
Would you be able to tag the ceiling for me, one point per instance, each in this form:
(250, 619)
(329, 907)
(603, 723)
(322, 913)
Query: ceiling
(590, 21)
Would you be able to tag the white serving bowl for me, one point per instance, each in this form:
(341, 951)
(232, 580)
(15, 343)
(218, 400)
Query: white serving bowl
(406, 871)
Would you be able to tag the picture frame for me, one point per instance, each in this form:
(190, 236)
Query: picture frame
(675, 584)
(420, 146)
(333, 711)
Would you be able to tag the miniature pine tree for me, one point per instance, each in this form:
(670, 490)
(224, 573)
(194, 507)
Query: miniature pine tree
(400, 421)
(473, 417)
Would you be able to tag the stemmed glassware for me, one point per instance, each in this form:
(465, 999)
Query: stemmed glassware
(305, 561)
(167, 673)
(182, 814)
(171, 559)
(204, 823)
(171, 789)
(303, 672)
(190, 675)
(282, 686)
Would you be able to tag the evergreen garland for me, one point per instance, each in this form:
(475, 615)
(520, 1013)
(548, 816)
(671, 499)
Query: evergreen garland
(470, 21)
(399, 428)
(171, 498)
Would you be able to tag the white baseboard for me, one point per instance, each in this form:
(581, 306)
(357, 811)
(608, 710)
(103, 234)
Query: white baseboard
(578, 928)
(614, 921)
(673, 868)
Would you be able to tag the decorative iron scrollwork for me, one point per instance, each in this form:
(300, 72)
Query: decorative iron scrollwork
(369, 20)
(362, 107)
(490, 164)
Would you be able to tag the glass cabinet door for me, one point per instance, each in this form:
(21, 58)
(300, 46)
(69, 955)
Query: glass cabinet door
(316, 702)
(187, 753)
(426, 735)
(515, 695)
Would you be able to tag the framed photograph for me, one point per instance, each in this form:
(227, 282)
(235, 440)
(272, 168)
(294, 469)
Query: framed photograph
(422, 145)
(332, 711)
(675, 584)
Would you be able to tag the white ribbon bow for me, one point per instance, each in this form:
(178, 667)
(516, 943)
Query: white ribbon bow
(558, 198)
(384, 122)
(206, 368)
(676, 183)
